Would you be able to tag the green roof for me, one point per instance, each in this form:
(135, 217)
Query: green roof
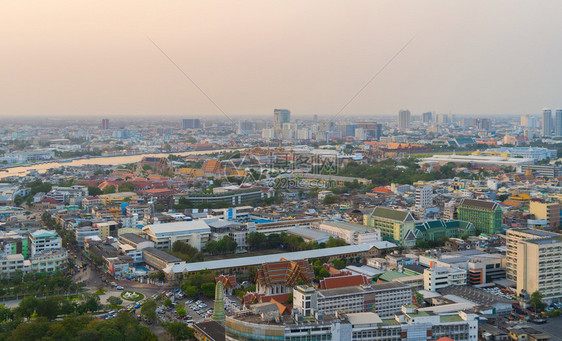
(418, 314)
(390, 275)
(389, 213)
(450, 318)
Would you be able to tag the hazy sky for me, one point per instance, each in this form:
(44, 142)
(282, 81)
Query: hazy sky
(93, 58)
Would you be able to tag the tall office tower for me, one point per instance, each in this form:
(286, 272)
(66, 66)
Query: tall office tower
(427, 117)
(524, 120)
(191, 123)
(105, 123)
(315, 118)
(481, 123)
(404, 119)
(546, 122)
(443, 118)
(281, 116)
(558, 122)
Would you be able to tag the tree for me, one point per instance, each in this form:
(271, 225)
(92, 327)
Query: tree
(94, 191)
(339, 264)
(256, 240)
(208, 289)
(181, 311)
(330, 199)
(158, 275)
(334, 242)
(191, 291)
(18, 200)
(536, 300)
(127, 187)
(419, 298)
(34, 330)
(148, 310)
(109, 190)
(167, 302)
(91, 303)
(27, 306)
(179, 331)
(114, 300)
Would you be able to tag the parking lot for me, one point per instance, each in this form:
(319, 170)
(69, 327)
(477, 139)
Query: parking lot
(197, 309)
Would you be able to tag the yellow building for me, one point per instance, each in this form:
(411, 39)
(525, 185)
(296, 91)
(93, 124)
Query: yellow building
(539, 262)
(546, 211)
(117, 198)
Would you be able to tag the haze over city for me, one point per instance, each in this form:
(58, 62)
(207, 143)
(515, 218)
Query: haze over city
(73, 59)
(281, 170)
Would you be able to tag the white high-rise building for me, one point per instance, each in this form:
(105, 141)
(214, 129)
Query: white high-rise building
(268, 134)
(558, 123)
(424, 196)
(404, 117)
(304, 134)
(360, 134)
(546, 122)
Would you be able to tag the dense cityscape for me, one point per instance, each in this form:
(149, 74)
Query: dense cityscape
(413, 226)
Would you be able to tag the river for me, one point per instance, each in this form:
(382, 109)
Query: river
(106, 161)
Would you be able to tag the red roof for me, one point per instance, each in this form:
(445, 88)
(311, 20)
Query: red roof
(382, 190)
(343, 281)
(49, 201)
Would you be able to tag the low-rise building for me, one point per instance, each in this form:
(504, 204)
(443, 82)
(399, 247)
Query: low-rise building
(393, 224)
(44, 240)
(351, 233)
(440, 277)
(385, 299)
(195, 233)
(159, 259)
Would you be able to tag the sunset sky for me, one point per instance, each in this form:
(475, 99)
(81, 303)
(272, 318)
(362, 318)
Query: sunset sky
(86, 58)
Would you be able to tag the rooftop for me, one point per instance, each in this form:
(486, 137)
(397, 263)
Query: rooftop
(179, 227)
(389, 213)
(348, 226)
(256, 260)
(162, 255)
(364, 318)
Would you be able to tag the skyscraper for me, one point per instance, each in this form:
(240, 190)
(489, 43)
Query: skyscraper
(105, 123)
(191, 123)
(558, 123)
(427, 117)
(404, 119)
(546, 122)
(481, 123)
(281, 116)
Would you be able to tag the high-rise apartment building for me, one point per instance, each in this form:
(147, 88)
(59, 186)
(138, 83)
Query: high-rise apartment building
(404, 117)
(546, 122)
(558, 123)
(191, 123)
(105, 123)
(486, 216)
(513, 237)
(539, 262)
(424, 197)
(427, 117)
(481, 123)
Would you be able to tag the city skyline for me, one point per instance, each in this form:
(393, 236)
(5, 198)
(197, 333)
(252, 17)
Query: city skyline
(106, 65)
